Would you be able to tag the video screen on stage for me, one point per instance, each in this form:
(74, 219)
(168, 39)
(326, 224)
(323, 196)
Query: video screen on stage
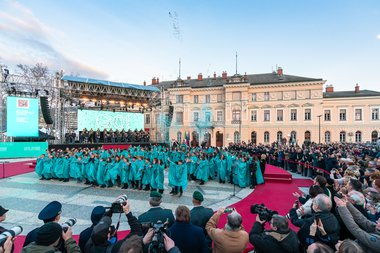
(107, 120)
(22, 117)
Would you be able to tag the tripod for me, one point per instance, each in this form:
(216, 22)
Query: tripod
(234, 174)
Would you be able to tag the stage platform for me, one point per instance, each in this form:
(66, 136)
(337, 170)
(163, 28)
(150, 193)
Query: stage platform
(276, 174)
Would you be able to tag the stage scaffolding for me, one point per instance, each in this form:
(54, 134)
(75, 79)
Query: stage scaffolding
(67, 94)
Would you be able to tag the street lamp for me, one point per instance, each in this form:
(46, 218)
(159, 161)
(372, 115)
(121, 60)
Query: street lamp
(319, 128)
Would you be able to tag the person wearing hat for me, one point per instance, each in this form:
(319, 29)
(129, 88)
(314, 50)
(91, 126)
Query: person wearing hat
(48, 239)
(98, 241)
(3, 216)
(200, 215)
(97, 213)
(156, 213)
(50, 213)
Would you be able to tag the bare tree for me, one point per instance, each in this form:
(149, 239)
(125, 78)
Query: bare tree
(38, 74)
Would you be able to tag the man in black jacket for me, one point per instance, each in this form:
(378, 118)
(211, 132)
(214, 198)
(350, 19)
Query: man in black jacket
(279, 239)
(96, 215)
(322, 226)
(156, 213)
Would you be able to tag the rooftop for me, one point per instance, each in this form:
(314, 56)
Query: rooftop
(343, 94)
(109, 83)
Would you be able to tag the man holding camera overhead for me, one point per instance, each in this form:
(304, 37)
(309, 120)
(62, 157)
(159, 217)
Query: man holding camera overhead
(232, 238)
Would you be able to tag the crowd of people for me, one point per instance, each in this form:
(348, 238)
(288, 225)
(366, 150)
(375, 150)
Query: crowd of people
(340, 213)
(107, 136)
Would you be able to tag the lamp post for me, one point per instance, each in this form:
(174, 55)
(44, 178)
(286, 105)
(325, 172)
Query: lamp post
(319, 128)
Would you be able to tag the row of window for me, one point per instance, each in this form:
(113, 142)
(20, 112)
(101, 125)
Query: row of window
(307, 136)
(236, 115)
(236, 96)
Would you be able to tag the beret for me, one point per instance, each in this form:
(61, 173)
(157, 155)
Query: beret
(155, 194)
(197, 195)
(3, 211)
(97, 213)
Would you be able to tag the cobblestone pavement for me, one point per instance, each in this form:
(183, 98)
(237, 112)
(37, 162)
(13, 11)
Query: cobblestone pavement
(25, 195)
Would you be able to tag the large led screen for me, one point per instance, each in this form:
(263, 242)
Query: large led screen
(107, 120)
(22, 117)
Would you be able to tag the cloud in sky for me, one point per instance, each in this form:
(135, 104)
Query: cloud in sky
(378, 36)
(27, 40)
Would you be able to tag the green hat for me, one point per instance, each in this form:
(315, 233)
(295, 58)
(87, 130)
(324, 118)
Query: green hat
(197, 195)
(155, 194)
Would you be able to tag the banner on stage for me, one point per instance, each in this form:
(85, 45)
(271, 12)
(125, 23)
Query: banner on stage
(22, 149)
(107, 120)
(22, 117)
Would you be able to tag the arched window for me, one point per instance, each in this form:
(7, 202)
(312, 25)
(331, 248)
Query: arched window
(307, 136)
(266, 137)
(253, 137)
(179, 136)
(236, 137)
(342, 136)
(374, 136)
(358, 136)
(327, 137)
(293, 137)
(279, 136)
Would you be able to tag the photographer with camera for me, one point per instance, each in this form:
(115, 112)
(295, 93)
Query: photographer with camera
(134, 224)
(7, 246)
(156, 213)
(3, 216)
(232, 238)
(50, 213)
(96, 214)
(48, 239)
(279, 239)
(166, 244)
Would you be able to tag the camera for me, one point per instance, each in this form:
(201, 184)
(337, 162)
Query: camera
(15, 231)
(69, 223)
(264, 213)
(116, 206)
(229, 210)
(159, 229)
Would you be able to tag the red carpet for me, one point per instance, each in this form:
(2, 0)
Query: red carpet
(115, 146)
(17, 168)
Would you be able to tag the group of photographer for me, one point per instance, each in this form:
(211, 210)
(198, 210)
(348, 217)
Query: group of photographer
(157, 230)
(109, 136)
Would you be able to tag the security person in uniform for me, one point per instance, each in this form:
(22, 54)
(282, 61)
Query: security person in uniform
(200, 215)
(50, 213)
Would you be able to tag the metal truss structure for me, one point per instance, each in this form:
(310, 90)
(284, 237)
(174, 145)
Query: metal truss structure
(66, 97)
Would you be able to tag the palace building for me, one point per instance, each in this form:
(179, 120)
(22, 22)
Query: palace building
(262, 108)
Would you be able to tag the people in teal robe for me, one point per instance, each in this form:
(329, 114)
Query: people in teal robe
(40, 165)
(157, 179)
(147, 175)
(101, 173)
(177, 177)
(47, 168)
(259, 175)
(202, 171)
(125, 170)
(222, 168)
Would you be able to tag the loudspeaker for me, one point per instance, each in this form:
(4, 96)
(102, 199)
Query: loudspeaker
(46, 110)
(170, 116)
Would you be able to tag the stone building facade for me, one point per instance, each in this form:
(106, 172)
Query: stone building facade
(262, 108)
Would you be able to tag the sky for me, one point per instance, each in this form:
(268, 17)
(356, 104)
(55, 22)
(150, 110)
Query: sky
(134, 41)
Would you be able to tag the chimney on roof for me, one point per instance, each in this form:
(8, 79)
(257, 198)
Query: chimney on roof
(357, 88)
(200, 77)
(188, 77)
(157, 80)
(329, 88)
(154, 80)
(144, 83)
(279, 71)
(224, 75)
(245, 76)
(214, 76)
